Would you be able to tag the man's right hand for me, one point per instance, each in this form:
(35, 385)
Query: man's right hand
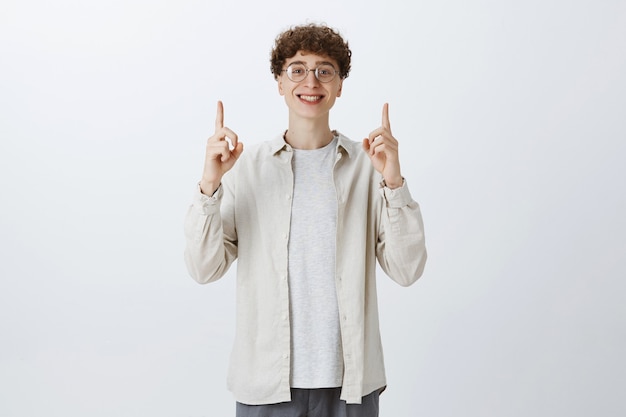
(220, 155)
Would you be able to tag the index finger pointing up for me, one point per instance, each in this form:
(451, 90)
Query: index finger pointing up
(386, 116)
(219, 118)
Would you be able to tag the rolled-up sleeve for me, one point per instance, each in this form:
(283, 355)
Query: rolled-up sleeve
(211, 241)
(401, 246)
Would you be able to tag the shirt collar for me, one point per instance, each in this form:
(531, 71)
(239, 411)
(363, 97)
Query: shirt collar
(343, 143)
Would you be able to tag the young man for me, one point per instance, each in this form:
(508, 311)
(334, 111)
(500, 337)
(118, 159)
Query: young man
(306, 215)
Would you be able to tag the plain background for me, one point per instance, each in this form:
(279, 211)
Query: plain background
(511, 118)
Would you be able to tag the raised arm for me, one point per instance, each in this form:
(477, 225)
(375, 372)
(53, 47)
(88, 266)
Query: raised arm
(401, 248)
(210, 232)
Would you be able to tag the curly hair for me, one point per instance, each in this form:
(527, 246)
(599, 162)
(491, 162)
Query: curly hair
(313, 38)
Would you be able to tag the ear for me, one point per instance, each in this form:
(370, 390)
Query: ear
(280, 86)
(340, 87)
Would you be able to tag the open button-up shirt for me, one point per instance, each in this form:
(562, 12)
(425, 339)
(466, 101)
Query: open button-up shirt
(248, 220)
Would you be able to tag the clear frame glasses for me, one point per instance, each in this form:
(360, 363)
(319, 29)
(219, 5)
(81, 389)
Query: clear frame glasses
(297, 72)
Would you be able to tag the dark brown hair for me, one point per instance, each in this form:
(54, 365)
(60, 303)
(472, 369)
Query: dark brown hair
(313, 38)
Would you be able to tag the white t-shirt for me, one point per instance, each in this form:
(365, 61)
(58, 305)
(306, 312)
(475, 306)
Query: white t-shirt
(317, 359)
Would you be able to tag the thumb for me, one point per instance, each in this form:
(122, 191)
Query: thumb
(237, 150)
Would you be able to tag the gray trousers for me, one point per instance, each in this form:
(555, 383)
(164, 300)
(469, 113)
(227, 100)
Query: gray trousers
(322, 402)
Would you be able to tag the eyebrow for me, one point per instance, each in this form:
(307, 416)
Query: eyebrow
(316, 63)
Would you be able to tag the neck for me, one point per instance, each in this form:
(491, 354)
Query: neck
(308, 134)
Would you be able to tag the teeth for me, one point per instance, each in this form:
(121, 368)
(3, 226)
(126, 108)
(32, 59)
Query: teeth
(310, 98)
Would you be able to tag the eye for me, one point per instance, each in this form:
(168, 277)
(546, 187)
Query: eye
(297, 69)
(326, 72)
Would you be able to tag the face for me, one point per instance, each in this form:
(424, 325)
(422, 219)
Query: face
(309, 98)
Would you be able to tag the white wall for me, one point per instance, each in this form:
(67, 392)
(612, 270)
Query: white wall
(511, 122)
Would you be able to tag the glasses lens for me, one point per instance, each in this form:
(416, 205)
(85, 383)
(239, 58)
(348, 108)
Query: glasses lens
(325, 73)
(296, 72)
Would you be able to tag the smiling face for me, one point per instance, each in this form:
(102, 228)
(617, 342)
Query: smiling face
(309, 98)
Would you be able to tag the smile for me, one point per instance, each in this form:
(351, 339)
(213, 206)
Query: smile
(310, 99)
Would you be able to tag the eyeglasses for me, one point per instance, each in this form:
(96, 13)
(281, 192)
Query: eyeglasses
(297, 72)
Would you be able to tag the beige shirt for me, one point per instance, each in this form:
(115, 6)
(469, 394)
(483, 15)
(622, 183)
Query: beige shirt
(248, 219)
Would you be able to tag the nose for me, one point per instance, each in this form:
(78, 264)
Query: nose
(311, 78)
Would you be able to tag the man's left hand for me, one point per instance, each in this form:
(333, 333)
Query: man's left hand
(382, 149)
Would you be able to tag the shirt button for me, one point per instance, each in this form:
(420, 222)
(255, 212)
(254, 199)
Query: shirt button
(285, 356)
(285, 236)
